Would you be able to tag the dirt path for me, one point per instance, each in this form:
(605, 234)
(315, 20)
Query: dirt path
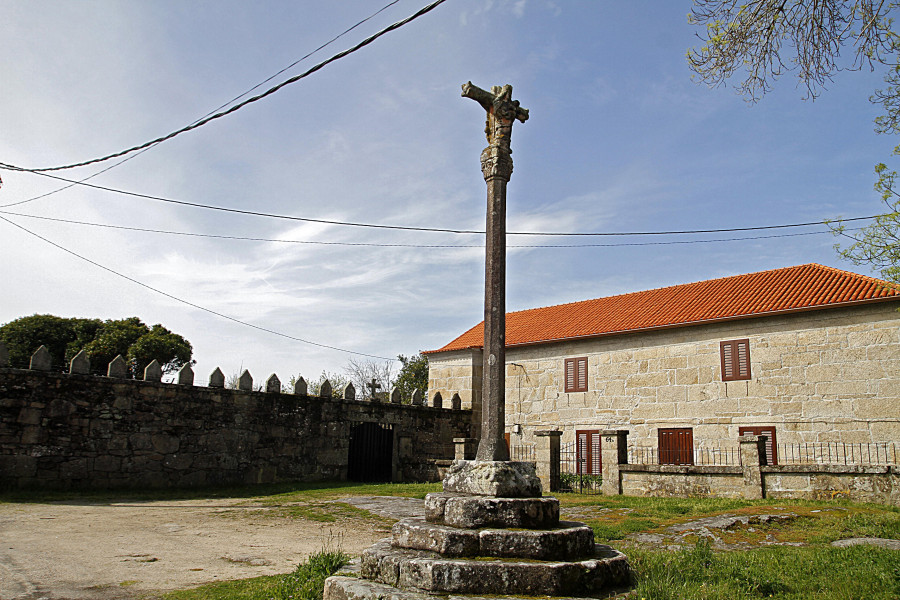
(83, 551)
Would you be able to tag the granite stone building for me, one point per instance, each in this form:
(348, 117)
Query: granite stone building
(800, 354)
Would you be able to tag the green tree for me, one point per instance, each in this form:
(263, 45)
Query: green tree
(413, 375)
(102, 340)
(169, 349)
(760, 41)
(115, 337)
(63, 337)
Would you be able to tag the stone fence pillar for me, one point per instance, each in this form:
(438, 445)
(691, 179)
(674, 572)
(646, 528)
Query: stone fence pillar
(465, 448)
(613, 452)
(753, 454)
(547, 459)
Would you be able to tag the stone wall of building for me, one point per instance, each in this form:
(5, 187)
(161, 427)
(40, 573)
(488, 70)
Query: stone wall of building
(817, 376)
(458, 372)
(61, 431)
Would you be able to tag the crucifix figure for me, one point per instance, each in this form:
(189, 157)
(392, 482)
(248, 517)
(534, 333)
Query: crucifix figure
(497, 166)
(374, 386)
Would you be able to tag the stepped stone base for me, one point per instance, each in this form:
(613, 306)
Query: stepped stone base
(568, 541)
(493, 478)
(351, 588)
(473, 512)
(419, 570)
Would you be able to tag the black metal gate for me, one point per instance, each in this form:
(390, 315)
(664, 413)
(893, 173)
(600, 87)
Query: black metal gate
(371, 453)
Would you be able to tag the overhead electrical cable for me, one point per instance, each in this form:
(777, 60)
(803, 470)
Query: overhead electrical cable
(213, 111)
(395, 245)
(241, 105)
(447, 230)
(191, 304)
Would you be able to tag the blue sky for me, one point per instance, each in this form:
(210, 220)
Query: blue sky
(619, 139)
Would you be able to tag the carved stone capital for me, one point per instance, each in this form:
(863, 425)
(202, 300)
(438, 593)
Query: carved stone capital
(496, 162)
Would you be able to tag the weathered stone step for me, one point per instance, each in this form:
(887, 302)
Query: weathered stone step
(569, 541)
(420, 570)
(352, 588)
(477, 512)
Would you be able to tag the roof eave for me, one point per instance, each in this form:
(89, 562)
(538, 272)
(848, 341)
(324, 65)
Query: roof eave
(770, 313)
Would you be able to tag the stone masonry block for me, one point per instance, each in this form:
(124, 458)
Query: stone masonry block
(473, 512)
(568, 541)
(429, 572)
(493, 478)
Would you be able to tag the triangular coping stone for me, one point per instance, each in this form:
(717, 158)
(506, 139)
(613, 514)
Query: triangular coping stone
(153, 372)
(117, 368)
(301, 388)
(417, 397)
(273, 384)
(349, 392)
(456, 402)
(325, 389)
(185, 375)
(395, 396)
(217, 378)
(40, 360)
(437, 401)
(80, 364)
(245, 382)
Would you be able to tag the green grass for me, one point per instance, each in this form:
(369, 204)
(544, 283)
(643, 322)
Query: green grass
(815, 573)
(304, 583)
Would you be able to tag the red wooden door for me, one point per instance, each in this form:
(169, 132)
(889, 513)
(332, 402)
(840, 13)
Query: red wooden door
(588, 452)
(676, 446)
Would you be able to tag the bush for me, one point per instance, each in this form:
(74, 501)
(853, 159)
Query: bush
(307, 582)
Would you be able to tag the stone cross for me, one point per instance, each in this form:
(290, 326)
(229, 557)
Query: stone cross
(497, 167)
(374, 386)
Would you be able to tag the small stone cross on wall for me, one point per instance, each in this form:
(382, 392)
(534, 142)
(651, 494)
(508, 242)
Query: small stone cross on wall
(374, 386)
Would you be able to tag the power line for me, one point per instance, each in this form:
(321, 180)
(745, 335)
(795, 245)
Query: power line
(395, 245)
(444, 230)
(213, 111)
(237, 107)
(191, 304)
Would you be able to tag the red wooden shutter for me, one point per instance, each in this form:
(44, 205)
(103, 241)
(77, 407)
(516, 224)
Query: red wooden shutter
(769, 432)
(676, 446)
(588, 452)
(735, 355)
(576, 374)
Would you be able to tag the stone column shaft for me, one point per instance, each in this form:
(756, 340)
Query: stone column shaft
(493, 390)
(753, 447)
(613, 452)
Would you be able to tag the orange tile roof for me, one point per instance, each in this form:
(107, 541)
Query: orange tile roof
(800, 288)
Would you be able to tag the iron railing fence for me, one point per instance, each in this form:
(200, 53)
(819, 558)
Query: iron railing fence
(523, 453)
(722, 456)
(839, 453)
(572, 475)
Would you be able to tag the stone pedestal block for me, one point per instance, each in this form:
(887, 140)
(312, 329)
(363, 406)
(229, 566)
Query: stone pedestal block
(568, 541)
(417, 570)
(503, 479)
(473, 512)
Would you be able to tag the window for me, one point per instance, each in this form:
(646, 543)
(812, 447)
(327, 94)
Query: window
(769, 432)
(576, 374)
(587, 449)
(735, 360)
(676, 446)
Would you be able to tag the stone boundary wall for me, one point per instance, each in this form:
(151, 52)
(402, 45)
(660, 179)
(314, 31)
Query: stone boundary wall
(752, 480)
(81, 431)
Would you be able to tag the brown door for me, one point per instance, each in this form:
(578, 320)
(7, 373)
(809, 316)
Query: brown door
(676, 446)
(769, 432)
(588, 452)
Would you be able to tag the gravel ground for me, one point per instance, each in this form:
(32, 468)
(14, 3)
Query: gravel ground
(85, 551)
